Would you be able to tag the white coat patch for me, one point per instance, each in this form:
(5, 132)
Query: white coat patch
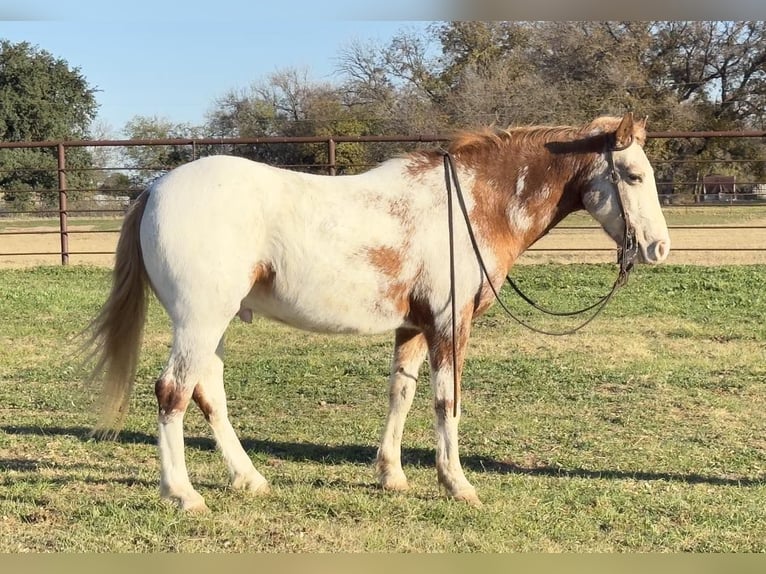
(521, 180)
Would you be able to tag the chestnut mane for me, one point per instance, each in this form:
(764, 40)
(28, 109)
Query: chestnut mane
(483, 140)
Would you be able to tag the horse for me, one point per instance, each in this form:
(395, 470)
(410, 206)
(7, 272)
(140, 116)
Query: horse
(223, 237)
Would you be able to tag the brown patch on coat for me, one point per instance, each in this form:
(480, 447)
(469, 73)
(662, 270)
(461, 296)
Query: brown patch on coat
(489, 217)
(400, 209)
(440, 340)
(171, 397)
(409, 352)
(409, 346)
(202, 402)
(262, 276)
(423, 161)
(387, 260)
(399, 293)
(443, 408)
(419, 312)
(440, 355)
(486, 296)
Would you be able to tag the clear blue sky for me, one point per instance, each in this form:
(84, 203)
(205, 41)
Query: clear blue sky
(174, 59)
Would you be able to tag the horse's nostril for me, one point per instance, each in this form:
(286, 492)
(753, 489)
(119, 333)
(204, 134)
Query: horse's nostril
(661, 250)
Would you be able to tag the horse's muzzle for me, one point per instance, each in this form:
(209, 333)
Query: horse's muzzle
(655, 252)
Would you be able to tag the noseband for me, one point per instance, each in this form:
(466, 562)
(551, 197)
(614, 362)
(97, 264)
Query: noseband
(626, 256)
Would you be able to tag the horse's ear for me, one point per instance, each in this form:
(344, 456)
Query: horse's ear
(639, 131)
(623, 137)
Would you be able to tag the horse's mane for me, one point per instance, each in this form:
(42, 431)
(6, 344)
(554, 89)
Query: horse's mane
(471, 141)
(476, 144)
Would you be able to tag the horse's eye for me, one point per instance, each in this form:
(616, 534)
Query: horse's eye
(635, 178)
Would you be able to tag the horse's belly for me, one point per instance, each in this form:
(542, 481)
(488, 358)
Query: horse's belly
(324, 312)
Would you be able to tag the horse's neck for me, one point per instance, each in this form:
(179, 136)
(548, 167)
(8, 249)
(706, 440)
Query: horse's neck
(549, 200)
(568, 202)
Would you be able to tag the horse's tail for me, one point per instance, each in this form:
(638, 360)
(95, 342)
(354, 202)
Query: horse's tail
(117, 331)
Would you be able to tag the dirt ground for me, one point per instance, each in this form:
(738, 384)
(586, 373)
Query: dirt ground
(98, 248)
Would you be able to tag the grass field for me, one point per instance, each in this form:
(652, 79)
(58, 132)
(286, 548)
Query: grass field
(645, 432)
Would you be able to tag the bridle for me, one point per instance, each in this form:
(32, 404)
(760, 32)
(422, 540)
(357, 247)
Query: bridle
(626, 256)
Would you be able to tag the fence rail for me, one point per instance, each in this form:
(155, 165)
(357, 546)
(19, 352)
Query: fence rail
(57, 199)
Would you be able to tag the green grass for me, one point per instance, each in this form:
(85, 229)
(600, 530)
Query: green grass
(645, 432)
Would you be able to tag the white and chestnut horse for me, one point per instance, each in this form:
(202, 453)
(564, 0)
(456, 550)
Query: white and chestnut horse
(223, 236)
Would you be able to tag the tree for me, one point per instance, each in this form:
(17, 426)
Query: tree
(41, 98)
(395, 88)
(288, 103)
(683, 75)
(688, 74)
(715, 73)
(104, 159)
(149, 162)
(721, 65)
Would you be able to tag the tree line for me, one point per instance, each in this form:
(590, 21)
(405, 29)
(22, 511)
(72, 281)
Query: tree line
(700, 75)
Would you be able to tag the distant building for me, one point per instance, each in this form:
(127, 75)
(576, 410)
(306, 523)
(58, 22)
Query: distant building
(719, 188)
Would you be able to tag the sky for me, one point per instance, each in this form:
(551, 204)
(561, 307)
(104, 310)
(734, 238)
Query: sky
(173, 64)
(173, 58)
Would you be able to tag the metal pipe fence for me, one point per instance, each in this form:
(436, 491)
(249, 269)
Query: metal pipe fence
(71, 194)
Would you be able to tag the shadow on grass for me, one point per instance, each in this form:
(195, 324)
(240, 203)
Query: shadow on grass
(362, 454)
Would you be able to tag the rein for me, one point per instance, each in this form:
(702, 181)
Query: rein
(626, 256)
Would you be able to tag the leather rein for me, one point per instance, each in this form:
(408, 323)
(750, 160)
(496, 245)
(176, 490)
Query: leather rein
(627, 253)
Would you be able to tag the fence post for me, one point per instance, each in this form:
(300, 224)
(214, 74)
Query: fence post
(64, 230)
(331, 168)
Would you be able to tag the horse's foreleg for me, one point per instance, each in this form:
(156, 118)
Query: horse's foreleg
(448, 468)
(210, 396)
(409, 352)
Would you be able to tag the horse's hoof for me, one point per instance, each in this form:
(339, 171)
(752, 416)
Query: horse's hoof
(197, 507)
(185, 501)
(469, 497)
(254, 484)
(392, 484)
(391, 477)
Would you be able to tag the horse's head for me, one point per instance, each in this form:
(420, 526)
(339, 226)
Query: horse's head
(623, 181)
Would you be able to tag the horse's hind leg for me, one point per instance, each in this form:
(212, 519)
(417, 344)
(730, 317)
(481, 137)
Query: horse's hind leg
(409, 352)
(174, 389)
(210, 396)
(195, 370)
